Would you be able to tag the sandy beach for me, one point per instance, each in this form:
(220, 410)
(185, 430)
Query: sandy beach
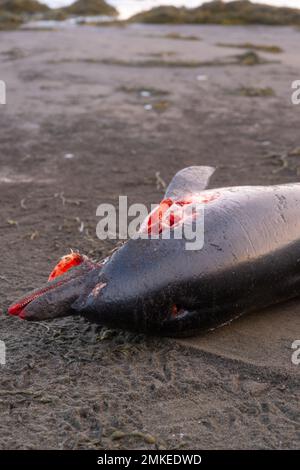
(86, 121)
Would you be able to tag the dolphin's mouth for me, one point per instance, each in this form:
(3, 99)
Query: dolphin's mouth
(55, 298)
(18, 309)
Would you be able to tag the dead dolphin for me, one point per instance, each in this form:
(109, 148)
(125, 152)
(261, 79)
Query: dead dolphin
(250, 259)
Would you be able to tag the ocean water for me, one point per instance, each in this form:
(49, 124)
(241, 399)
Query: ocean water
(130, 7)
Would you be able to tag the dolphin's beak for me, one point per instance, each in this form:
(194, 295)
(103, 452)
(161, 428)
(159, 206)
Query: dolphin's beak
(55, 298)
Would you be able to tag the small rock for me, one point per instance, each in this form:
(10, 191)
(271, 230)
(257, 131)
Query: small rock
(149, 439)
(145, 93)
(201, 78)
(295, 152)
(255, 388)
(117, 435)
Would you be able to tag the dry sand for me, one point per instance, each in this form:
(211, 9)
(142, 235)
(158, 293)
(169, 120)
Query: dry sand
(75, 133)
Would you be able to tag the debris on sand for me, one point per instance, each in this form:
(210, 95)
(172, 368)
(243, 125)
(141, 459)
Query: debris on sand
(65, 200)
(160, 183)
(144, 92)
(156, 63)
(182, 37)
(161, 54)
(201, 78)
(116, 435)
(151, 97)
(295, 152)
(250, 58)
(254, 47)
(146, 437)
(254, 92)
(12, 222)
(161, 106)
(14, 54)
(33, 235)
(286, 160)
(69, 156)
(255, 388)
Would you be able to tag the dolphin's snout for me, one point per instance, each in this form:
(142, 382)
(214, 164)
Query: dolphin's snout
(55, 298)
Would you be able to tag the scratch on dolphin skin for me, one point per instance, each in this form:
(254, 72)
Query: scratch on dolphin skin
(98, 288)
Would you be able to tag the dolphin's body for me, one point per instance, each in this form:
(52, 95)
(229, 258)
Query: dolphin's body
(250, 259)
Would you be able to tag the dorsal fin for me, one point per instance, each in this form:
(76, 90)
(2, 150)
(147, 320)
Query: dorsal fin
(188, 181)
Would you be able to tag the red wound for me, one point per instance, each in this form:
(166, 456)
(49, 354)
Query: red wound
(65, 264)
(169, 213)
(156, 217)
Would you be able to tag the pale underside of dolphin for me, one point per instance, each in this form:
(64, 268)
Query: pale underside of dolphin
(250, 259)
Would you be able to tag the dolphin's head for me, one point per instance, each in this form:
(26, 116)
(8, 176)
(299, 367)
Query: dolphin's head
(73, 274)
(140, 288)
(148, 284)
(144, 286)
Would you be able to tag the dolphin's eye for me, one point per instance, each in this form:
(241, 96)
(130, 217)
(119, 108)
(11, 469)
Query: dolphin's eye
(176, 310)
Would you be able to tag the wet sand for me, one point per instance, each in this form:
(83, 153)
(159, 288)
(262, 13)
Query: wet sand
(76, 133)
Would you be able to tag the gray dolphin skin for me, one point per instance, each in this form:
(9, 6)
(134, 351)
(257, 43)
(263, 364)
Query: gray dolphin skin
(250, 259)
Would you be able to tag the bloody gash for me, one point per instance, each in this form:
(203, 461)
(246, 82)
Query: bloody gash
(250, 259)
